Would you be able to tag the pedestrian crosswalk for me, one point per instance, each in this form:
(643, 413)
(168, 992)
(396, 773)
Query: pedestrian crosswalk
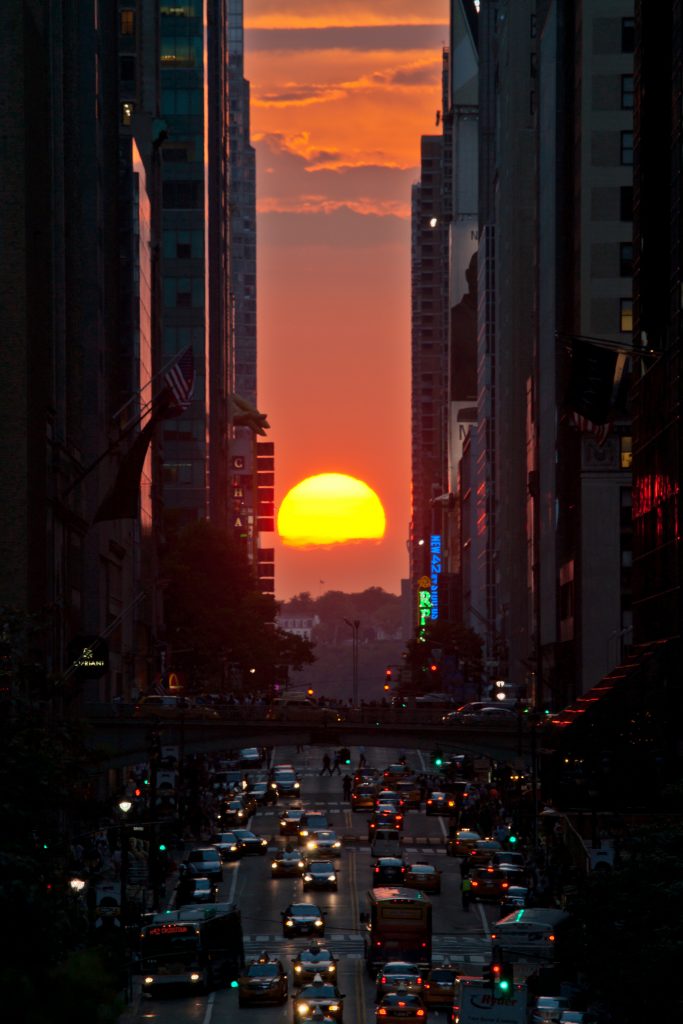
(466, 948)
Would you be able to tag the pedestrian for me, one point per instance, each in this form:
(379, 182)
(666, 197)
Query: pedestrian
(346, 787)
(466, 891)
(337, 762)
(327, 764)
(361, 757)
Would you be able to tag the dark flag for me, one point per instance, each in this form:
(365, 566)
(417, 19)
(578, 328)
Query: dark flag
(591, 387)
(121, 502)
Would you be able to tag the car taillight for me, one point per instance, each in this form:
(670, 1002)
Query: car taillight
(403, 871)
(376, 871)
(418, 981)
(427, 985)
(420, 1013)
(505, 885)
(475, 884)
(383, 980)
(551, 938)
(381, 1012)
(379, 942)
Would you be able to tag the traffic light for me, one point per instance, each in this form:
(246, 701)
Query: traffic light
(506, 979)
(437, 758)
(496, 973)
(487, 974)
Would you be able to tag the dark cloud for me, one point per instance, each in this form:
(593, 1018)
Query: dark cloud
(368, 37)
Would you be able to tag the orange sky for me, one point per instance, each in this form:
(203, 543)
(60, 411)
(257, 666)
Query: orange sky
(341, 91)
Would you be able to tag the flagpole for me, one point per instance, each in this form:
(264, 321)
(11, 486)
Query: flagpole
(108, 451)
(174, 359)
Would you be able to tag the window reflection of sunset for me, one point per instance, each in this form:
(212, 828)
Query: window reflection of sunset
(330, 508)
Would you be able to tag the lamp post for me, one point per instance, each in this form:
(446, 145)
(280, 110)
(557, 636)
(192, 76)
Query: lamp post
(124, 807)
(354, 627)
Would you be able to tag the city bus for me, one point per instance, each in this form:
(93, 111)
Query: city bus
(398, 926)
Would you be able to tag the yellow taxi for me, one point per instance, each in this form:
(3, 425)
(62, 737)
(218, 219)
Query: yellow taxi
(462, 842)
(439, 986)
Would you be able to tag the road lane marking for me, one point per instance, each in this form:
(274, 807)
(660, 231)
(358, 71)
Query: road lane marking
(355, 917)
(209, 1009)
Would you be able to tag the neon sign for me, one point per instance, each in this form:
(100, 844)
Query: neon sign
(435, 556)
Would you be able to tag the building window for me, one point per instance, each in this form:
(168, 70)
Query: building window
(625, 259)
(127, 23)
(626, 316)
(127, 109)
(626, 453)
(627, 92)
(626, 202)
(627, 148)
(628, 35)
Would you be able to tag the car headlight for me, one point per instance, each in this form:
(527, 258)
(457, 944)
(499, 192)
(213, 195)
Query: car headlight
(304, 832)
(264, 842)
(302, 1008)
(318, 922)
(331, 878)
(332, 968)
(297, 968)
(194, 977)
(333, 1007)
(274, 864)
(297, 786)
(336, 846)
(233, 849)
(300, 864)
(149, 981)
(289, 923)
(311, 845)
(308, 878)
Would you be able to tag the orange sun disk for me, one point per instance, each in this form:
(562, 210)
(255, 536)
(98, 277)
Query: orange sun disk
(330, 508)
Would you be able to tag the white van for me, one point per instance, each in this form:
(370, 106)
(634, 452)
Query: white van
(538, 932)
(386, 842)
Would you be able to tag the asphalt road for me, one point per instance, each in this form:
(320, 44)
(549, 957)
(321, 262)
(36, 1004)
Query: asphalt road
(459, 936)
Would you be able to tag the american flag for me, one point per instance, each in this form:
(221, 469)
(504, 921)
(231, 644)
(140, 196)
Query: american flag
(180, 378)
(586, 426)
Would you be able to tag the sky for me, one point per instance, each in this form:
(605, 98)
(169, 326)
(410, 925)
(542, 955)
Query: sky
(341, 91)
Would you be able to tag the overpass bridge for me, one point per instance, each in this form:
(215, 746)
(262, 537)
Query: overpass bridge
(123, 740)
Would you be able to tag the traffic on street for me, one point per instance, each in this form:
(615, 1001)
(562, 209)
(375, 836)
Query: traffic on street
(333, 921)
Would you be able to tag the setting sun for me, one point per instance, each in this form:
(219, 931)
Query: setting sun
(330, 508)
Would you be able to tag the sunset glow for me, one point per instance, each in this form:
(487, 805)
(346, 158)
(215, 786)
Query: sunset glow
(330, 508)
(341, 93)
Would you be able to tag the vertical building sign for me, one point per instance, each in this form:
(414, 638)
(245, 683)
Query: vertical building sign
(435, 572)
(424, 604)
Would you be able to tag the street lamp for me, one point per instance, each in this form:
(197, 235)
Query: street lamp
(354, 627)
(124, 806)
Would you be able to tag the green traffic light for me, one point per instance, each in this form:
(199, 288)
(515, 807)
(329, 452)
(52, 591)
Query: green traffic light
(512, 840)
(504, 985)
(438, 762)
(234, 984)
(162, 847)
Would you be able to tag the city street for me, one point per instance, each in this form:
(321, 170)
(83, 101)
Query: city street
(459, 936)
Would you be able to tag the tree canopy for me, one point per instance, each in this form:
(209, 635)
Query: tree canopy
(215, 613)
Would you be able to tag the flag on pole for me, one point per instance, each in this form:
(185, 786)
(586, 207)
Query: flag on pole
(121, 501)
(591, 388)
(179, 378)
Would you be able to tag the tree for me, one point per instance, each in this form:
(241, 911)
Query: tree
(215, 612)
